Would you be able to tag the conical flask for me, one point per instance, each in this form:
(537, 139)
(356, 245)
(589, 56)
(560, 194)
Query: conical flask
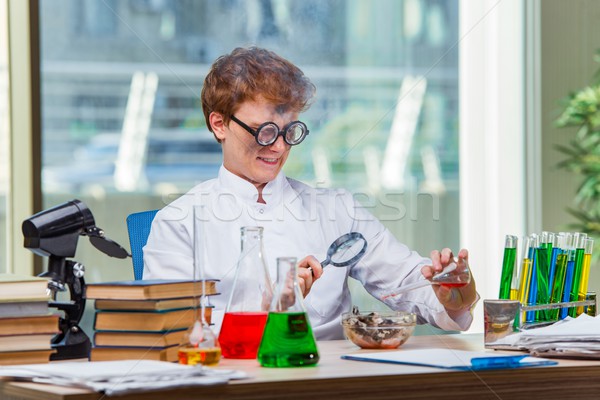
(249, 300)
(288, 340)
(199, 344)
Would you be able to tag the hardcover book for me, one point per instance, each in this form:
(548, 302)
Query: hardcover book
(147, 305)
(139, 339)
(149, 289)
(23, 307)
(25, 357)
(149, 321)
(26, 342)
(14, 286)
(29, 324)
(134, 353)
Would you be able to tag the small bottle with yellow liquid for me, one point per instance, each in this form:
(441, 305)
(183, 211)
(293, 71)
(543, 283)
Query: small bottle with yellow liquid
(199, 344)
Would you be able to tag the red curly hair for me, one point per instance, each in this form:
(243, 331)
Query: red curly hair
(247, 73)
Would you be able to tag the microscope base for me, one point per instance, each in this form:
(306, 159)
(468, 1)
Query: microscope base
(74, 344)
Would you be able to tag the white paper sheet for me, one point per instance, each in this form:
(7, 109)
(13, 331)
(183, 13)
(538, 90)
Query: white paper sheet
(571, 337)
(118, 377)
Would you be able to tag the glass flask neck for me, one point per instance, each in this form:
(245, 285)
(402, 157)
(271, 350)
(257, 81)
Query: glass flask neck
(252, 286)
(251, 238)
(287, 296)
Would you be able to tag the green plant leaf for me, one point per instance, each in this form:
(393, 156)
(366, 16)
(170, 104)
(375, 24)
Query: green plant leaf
(581, 109)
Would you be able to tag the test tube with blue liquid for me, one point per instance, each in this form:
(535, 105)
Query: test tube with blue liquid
(566, 295)
(543, 257)
(533, 283)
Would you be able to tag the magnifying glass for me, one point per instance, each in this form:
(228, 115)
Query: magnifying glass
(346, 250)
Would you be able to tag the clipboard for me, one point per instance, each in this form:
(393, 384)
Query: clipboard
(451, 359)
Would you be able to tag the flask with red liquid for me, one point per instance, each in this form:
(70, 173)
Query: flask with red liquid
(247, 309)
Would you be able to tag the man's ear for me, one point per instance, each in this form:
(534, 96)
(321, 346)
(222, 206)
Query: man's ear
(217, 124)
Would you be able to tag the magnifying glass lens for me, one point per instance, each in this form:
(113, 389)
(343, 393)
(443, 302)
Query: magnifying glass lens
(347, 251)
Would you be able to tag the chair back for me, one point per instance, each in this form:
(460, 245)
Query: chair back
(138, 227)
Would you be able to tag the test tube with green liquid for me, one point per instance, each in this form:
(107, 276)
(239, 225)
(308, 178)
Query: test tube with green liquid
(560, 271)
(543, 253)
(579, 239)
(549, 246)
(508, 266)
(588, 247)
(556, 239)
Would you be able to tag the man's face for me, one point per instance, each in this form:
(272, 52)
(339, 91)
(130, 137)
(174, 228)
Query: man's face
(246, 158)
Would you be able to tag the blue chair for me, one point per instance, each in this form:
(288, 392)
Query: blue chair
(138, 227)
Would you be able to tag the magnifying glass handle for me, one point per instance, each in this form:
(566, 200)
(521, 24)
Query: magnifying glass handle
(323, 265)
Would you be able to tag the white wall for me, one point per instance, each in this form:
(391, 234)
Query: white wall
(570, 36)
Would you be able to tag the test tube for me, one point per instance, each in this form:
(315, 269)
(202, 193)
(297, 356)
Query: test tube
(525, 274)
(560, 270)
(578, 242)
(508, 266)
(566, 296)
(585, 271)
(556, 239)
(543, 253)
(514, 283)
(549, 245)
(533, 283)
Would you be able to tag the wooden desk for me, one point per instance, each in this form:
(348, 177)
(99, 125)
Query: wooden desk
(334, 378)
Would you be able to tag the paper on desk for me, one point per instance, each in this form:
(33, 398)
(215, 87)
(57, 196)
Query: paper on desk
(582, 328)
(119, 377)
(451, 359)
(571, 337)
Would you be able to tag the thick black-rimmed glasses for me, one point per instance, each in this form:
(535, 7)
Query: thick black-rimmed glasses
(267, 133)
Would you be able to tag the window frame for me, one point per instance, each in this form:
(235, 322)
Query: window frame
(493, 185)
(24, 186)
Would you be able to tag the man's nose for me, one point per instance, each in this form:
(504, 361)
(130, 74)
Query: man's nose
(279, 144)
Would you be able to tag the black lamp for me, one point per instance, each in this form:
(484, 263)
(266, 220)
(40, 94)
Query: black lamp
(54, 233)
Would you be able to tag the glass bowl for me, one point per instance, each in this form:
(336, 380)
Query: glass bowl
(379, 330)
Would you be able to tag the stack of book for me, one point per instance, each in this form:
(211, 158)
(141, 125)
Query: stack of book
(26, 326)
(144, 319)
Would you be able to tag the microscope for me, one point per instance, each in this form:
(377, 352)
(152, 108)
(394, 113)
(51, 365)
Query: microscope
(53, 233)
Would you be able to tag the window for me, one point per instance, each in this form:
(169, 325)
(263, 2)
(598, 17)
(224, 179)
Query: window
(384, 125)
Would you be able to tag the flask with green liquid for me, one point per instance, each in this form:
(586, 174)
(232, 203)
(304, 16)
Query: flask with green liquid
(288, 339)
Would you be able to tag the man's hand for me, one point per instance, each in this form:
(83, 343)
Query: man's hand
(455, 300)
(309, 270)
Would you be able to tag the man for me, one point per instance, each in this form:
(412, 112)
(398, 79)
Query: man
(251, 101)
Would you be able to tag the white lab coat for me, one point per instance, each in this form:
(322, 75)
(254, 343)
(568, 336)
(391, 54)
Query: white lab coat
(298, 220)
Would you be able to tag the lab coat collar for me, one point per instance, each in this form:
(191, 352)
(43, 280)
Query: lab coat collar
(247, 192)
